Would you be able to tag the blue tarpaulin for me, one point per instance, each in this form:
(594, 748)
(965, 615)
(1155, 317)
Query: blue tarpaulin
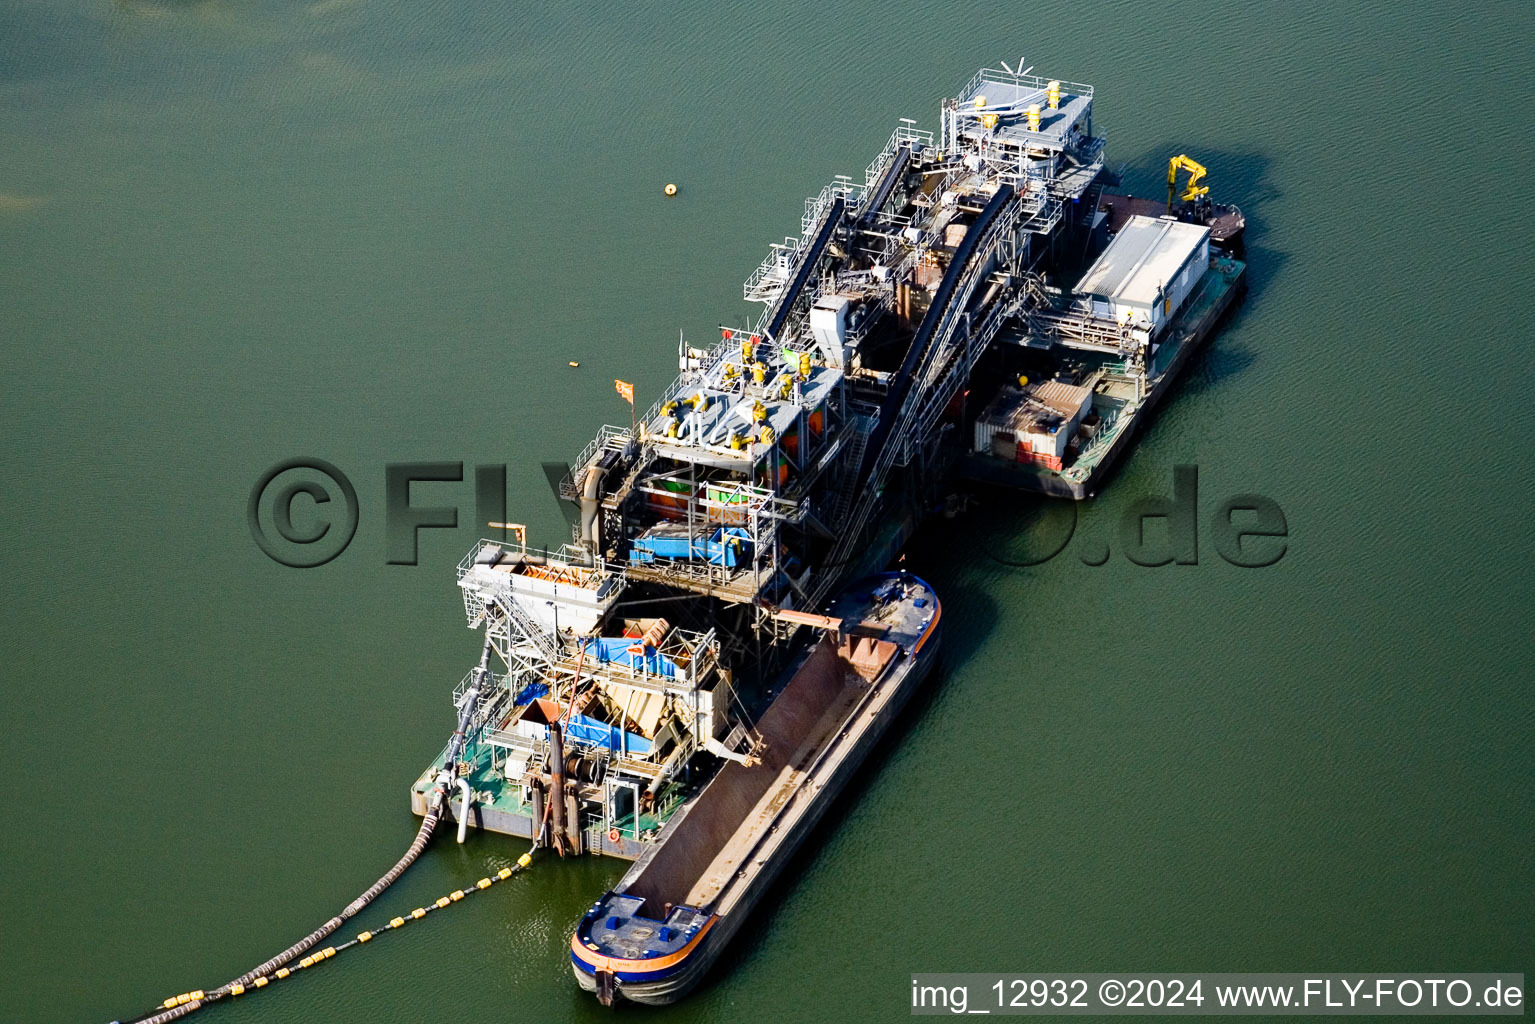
(582, 729)
(614, 650)
(728, 546)
(528, 694)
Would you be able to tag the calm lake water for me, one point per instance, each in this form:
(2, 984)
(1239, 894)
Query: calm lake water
(372, 231)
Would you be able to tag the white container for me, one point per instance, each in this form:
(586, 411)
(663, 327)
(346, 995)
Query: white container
(1148, 271)
(828, 325)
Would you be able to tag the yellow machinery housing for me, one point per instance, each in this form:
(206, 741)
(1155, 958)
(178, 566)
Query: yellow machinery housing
(1191, 191)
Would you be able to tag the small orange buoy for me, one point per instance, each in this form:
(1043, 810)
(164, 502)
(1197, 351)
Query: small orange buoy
(671, 190)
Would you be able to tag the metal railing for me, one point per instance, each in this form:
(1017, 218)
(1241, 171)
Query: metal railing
(1004, 77)
(488, 598)
(607, 435)
(773, 273)
(489, 702)
(518, 627)
(708, 372)
(904, 135)
(1080, 328)
(705, 577)
(817, 205)
(567, 553)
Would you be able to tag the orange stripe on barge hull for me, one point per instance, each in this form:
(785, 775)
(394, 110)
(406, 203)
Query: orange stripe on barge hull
(932, 624)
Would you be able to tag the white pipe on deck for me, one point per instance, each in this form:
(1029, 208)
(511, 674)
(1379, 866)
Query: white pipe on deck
(463, 808)
(721, 433)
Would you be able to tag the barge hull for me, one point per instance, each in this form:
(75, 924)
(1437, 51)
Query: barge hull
(989, 470)
(746, 864)
(671, 989)
(489, 817)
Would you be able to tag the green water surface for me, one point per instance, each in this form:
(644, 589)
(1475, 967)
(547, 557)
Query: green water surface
(373, 231)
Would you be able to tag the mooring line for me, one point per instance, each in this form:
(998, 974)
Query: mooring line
(277, 968)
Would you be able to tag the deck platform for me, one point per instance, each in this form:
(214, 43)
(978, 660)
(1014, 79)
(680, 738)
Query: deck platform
(1226, 228)
(1080, 479)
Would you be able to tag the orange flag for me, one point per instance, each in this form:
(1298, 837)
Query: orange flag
(626, 389)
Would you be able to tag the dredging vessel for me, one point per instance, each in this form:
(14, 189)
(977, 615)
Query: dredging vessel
(691, 678)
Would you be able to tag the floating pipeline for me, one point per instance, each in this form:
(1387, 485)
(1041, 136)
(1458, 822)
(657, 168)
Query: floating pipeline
(278, 969)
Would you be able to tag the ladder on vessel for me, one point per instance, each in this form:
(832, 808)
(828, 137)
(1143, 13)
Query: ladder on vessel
(526, 629)
(852, 460)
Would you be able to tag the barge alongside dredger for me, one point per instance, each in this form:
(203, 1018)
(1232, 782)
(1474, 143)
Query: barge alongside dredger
(978, 305)
(658, 931)
(973, 306)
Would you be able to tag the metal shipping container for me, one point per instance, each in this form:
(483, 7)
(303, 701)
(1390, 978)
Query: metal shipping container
(1147, 271)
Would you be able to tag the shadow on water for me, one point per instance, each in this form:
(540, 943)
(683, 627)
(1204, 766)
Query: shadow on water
(1216, 364)
(1243, 178)
(1013, 529)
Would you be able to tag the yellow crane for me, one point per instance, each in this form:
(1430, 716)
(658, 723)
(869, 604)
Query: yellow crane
(1193, 190)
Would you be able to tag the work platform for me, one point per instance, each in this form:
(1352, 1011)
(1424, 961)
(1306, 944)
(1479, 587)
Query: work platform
(720, 419)
(1009, 97)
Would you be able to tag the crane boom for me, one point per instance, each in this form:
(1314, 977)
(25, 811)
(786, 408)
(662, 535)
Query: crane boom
(1193, 190)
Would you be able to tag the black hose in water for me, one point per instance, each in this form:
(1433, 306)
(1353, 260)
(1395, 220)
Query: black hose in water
(440, 795)
(309, 941)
